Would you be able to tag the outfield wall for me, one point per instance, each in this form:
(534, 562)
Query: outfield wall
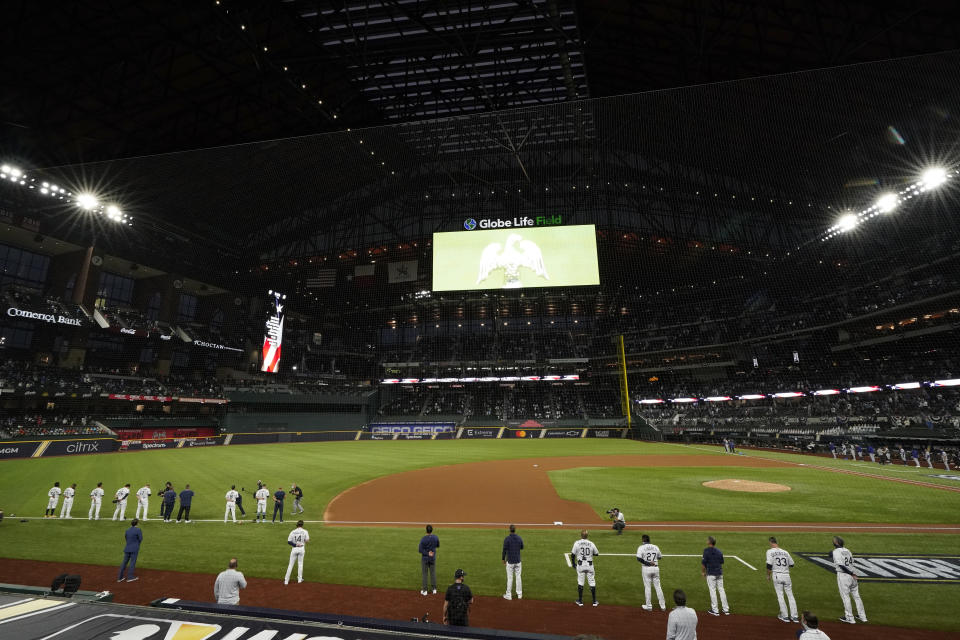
(414, 431)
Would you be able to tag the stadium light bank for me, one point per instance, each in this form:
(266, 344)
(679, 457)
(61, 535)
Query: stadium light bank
(86, 201)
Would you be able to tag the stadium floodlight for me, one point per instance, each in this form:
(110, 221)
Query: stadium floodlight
(87, 201)
(863, 389)
(752, 396)
(652, 401)
(887, 202)
(788, 394)
(826, 392)
(907, 385)
(683, 400)
(934, 177)
(847, 222)
(114, 213)
(718, 398)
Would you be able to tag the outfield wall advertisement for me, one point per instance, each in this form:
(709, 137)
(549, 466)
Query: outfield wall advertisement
(512, 258)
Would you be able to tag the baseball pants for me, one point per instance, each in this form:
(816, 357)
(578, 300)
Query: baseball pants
(848, 586)
(946, 464)
(142, 505)
(782, 584)
(167, 511)
(120, 512)
(296, 555)
(930, 462)
(428, 565)
(586, 571)
(131, 558)
(94, 512)
(514, 569)
(66, 508)
(872, 458)
(231, 511)
(51, 506)
(714, 585)
(296, 506)
(262, 509)
(651, 576)
(184, 513)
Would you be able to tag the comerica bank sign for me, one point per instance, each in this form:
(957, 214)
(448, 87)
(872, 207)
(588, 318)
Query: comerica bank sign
(13, 312)
(513, 223)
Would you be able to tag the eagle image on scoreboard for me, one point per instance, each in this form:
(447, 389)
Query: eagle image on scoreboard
(514, 258)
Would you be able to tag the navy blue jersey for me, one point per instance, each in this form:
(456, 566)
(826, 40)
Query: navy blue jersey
(512, 545)
(713, 561)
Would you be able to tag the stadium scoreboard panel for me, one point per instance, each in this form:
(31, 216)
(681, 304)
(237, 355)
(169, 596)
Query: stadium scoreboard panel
(513, 258)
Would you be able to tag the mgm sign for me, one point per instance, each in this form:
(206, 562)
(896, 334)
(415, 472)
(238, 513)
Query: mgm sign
(933, 569)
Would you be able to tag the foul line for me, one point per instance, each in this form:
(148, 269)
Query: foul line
(665, 555)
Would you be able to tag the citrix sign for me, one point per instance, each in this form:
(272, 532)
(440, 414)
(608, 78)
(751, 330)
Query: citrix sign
(513, 223)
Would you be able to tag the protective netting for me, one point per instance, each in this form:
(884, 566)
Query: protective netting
(720, 262)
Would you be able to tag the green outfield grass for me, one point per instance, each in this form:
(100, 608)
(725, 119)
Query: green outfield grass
(387, 557)
(677, 494)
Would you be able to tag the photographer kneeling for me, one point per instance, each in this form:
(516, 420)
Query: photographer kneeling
(619, 524)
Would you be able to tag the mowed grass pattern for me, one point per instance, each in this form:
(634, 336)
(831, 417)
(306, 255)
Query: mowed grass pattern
(387, 557)
(677, 494)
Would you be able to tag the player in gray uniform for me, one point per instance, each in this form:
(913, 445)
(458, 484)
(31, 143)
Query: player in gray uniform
(779, 562)
(649, 556)
(231, 510)
(143, 501)
(53, 497)
(847, 581)
(96, 499)
(67, 507)
(582, 557)
(262, 495)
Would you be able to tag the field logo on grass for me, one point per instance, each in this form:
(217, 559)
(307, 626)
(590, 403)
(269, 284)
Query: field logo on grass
(932, 569)
(946, 476)
(117, 627)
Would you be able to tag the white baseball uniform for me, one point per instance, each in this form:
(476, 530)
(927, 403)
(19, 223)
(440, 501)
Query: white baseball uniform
(946, 459)
(143, 501)
(298, 538)
(53, 497)
(779, 562)
(96, 499)
(67, 507)
(231, 505)
(583, 554)
(649, 556)
(929, 457)
(262, 495)
(847, 583)
(121, 497)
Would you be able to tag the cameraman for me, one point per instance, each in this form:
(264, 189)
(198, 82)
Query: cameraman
(619, 524)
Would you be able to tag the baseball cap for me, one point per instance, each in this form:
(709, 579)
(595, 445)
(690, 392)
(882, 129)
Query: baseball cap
(459, 573)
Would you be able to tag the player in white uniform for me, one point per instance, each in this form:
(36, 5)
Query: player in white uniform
(143, 501)
(582, 557)
(649, 556)
(231, 503)
(847, 581)
(96, 498)
(53, 497)
(946, 459)
(67, 507)
(779, 562)
(297, 539)
(120, 497)
(262, 495)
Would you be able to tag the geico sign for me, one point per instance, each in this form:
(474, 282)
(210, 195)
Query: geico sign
(13, 312)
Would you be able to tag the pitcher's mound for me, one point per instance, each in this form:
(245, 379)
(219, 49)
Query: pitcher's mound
(746, 485)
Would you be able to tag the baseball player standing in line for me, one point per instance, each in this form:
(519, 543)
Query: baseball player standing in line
(428, 559)
(261, 495)
(53, 497)
(297, 494)
(929, 457)
(169, 498)
(872, 453)
(779, 562)
(847, 581)
(120, 497)
(143, 501)
(67, 507)
(946, 459)
(231, 503)
(711, 568)
(649, 556)
(96, 498)
(297, 539)
(582, 557)
(186, 499)
(512, 545)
